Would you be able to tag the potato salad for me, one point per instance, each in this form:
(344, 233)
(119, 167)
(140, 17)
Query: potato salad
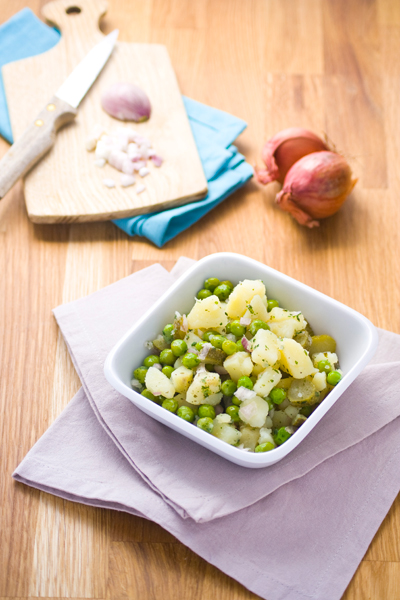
(239, 367)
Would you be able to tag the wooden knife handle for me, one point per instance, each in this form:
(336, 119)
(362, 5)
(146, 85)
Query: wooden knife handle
(36, 140)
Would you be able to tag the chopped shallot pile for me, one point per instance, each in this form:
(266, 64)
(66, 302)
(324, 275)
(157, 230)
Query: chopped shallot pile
(125, 150)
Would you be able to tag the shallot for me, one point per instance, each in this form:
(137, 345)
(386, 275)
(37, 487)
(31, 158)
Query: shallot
(315, 187)
(127, 102)
(284, 149)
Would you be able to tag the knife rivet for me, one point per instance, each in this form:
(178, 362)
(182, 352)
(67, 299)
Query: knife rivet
(39, 123)
(51, 107)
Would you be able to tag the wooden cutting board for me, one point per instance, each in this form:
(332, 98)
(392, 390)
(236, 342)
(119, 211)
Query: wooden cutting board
(66, 186)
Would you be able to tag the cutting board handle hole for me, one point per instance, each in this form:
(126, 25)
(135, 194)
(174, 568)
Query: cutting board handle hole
(73, 10)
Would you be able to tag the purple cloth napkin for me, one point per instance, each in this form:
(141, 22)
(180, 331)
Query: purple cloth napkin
(295, 530)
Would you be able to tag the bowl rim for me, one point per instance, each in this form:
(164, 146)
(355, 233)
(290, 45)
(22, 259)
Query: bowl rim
(239, 456)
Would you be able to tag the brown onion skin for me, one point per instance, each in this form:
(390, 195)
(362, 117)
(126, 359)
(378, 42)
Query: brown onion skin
(284, 149)
(315, 187)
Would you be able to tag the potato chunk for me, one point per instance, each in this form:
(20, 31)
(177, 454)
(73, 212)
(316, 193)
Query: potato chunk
(254, 411)
(250, 436)
(238, 364)
(257, 309)
(204, 386)
(295, 360)
(207, 314)
(265, 348)
(266, 381)
(227, 433)
(286, 324)
(158, 383)
(181, 379)
(242, 295)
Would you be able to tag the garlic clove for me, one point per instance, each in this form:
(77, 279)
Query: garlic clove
(127, 102)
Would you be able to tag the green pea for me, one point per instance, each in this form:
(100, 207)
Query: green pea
(269, 402)
(199, 346)
(167, 357)
(203, 294)
(167, 370)
(211, 283)
(168, 333)
(272, 304)
(147, 394)
(324, 366)
(229, 347)
(239, 346)
(256, 325)
(206, 424)
(178, 347)
(265, 447)
(228, 283)
(140, 374)
(217, 340)
(151, 360)
(186, 413)
(281, 436)
(208, 334)
(245, 382)
(233, 412)
(222, 291)
(170, 404)
(229, 387)
(236, 401)
(190, 360)
(333, 377)
(277, 395)
(237, 329)
(206, 410)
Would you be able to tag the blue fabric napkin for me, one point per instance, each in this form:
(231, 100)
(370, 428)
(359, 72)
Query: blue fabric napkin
(214, 131)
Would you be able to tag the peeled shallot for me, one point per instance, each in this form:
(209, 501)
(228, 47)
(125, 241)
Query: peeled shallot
(127, 102)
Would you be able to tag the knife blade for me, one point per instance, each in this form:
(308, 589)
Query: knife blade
(40, 135)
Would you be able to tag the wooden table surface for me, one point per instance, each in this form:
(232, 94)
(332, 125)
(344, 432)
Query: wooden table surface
(329, 65)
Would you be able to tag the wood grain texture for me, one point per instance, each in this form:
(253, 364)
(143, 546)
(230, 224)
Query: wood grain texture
(65, 185)
(328, 65)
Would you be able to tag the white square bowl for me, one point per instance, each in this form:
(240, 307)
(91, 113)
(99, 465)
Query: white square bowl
(355, 336)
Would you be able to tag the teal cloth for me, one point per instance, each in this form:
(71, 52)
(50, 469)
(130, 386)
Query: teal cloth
(214, 131)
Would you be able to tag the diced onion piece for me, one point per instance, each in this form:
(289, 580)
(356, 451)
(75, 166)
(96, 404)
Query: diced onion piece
(135, 383)
(220, 370)
(184, 325)
(140, 188)
(144, 171)
(110, 183)
(204, 351)
(100, 162)
(245, 394)
(246, 344)
(245, 321)
(127, 180)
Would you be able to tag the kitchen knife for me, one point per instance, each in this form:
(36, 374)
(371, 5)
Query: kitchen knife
(40, 135)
